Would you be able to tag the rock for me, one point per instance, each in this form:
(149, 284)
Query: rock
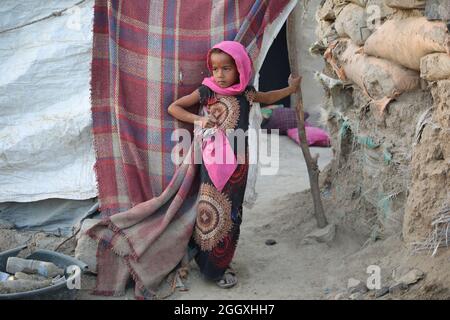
(381, 292)
(308, 241)
(435, 66)
(86, 249)
(352, 282)
(412, 276)
(398, 288)
(15, 286)
(33, 277)
(321, 235)
(356, 286)
(341, 296)
(437, 10)
(356, 296)
(270, 242)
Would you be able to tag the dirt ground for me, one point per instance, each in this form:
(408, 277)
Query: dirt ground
(291, 269)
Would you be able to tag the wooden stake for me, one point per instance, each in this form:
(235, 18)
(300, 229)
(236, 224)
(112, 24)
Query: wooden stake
(311, 162)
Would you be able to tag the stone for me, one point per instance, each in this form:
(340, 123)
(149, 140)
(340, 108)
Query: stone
(352, 282)
(321, 235)
(381, 292)
(356, 296)
(412, 276)
(437, 10)
(356, 286)
(341, 296)
(309, 241)
(86, 249)
(398, 288)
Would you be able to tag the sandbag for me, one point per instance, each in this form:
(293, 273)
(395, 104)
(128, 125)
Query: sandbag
(407, 41)
(361, 3)
(326, 12)
(435, 66)
(352, 23)
(405, 4)
(326, 32)
(338, 5)
(378, 78)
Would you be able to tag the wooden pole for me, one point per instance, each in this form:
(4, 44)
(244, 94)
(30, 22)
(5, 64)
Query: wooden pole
(311, 162)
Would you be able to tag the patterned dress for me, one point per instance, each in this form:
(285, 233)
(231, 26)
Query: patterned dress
(219, 214)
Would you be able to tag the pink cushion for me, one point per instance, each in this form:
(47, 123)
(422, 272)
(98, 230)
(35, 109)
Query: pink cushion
(314, 136)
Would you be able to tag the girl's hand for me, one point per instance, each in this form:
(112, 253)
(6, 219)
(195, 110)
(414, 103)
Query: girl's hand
(208, 122)
(294, 83)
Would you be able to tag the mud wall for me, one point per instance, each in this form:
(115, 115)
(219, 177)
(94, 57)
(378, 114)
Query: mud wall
(387, 110)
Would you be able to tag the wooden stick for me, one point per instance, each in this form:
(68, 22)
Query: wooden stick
(311, 162)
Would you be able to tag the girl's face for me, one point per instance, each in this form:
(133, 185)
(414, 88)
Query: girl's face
(224, 69)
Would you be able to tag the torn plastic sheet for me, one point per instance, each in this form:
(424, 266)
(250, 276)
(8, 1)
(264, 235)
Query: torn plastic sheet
(55, 216)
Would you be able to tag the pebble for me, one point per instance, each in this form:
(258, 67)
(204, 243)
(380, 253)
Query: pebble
(323, 235)
(356, 296)
(340, 296)
(398, 288)
(356, 286)
(412, 276)
(381, 292)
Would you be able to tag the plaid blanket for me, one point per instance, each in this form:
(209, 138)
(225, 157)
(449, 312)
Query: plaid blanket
(146, 54)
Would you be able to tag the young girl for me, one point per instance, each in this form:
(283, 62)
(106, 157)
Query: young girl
(226, 98)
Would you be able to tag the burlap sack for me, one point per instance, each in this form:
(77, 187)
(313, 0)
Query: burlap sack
(326, 12)
(383, 10)
(361, 3)
(405, 4)
(326, 32)
(351, 22)
(407, 41)
(435, 66)
(378, 78)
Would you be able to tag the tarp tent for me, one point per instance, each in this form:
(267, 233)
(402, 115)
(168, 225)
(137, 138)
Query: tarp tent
(46, 147)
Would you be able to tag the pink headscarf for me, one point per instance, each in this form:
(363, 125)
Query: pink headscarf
(218, 156)
(243, 63)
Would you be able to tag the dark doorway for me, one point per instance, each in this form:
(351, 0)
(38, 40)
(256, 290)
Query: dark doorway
(275, 69)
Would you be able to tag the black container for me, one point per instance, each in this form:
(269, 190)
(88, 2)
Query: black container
(59, 291)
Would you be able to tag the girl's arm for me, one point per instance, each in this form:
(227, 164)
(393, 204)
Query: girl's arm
(178, 109)
(270, 97)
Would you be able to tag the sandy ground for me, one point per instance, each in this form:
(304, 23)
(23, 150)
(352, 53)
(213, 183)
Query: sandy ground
(286, 269)
(290, 269)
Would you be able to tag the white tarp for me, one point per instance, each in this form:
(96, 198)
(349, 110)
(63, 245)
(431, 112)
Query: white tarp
(46, 146)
